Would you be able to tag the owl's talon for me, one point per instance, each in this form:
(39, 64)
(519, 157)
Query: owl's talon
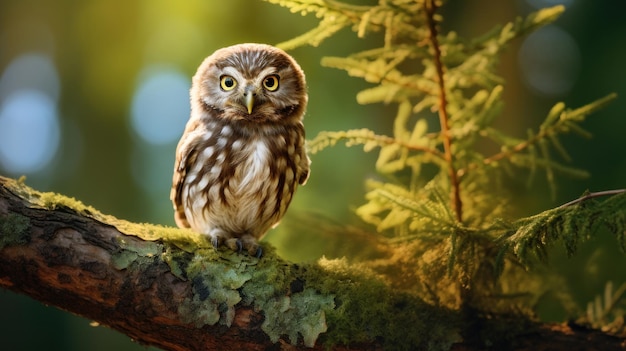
(259, 252)
(215, 242)
(239, 245)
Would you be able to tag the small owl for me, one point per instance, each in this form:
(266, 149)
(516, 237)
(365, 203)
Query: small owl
(242, 153)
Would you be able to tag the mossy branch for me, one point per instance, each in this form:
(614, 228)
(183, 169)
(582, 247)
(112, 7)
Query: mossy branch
(168, 288)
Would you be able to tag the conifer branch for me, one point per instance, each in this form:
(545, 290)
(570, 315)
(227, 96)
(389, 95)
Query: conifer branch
(368, 139)
(431, 9)
(557, 122)
(505, 154)
(530, 236)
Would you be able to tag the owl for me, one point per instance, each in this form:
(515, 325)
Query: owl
(242, 153)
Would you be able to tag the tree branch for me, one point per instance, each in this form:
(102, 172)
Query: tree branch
(593, 195)
(457, 205)
(168, 288)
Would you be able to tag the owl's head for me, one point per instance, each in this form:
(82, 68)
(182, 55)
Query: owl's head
(252, 82)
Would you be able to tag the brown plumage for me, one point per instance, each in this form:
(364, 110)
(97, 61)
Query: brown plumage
(242, 153)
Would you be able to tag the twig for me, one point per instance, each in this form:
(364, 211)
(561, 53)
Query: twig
(431, 8)
(506, 153)
(593, 195)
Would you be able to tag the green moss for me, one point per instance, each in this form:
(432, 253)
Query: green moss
(14, 230)
(183, 238)
(47, 200)
(367, 309)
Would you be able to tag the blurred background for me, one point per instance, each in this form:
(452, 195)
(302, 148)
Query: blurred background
(94, 96)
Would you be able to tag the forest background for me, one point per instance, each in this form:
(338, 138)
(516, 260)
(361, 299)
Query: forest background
(105, 86)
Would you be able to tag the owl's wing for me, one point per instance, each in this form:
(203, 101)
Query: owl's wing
(304, 168)
(185, 156)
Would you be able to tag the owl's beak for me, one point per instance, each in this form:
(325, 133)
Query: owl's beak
(249, 100)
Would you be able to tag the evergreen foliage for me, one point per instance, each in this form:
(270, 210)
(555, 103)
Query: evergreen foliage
(440, 204)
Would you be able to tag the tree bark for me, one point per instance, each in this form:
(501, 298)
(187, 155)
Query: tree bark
(165, 287)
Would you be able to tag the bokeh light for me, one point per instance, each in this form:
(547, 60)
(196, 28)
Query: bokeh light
(159, 111)
(550, 61)
(29, 122)
(30, 71)
(29, 132)
(160, 106)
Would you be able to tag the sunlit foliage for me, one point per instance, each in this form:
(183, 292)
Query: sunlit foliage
(439, 202)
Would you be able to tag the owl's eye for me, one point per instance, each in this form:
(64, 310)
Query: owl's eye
(228, 83)
(271, 82)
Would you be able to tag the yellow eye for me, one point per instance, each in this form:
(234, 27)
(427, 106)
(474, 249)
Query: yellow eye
(271, 82)
(227, 83)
